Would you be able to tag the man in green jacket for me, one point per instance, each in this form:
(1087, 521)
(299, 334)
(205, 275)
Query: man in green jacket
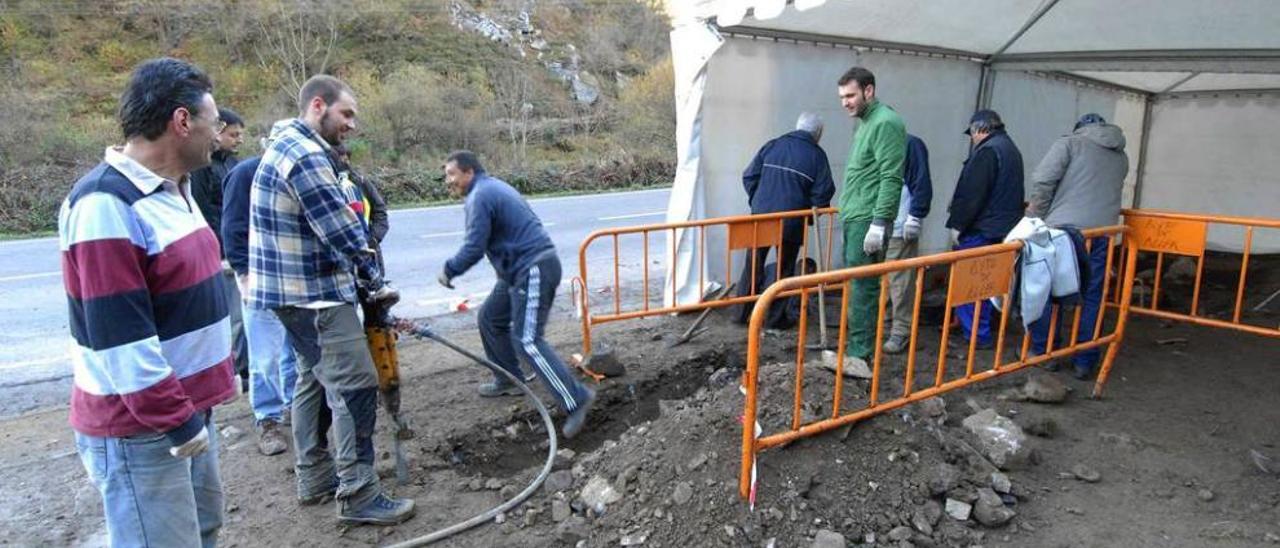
(868, 202)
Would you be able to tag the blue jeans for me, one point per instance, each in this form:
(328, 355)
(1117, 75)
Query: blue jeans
(150, 497)
(1092, 300)
(273, 368)
(965, 311)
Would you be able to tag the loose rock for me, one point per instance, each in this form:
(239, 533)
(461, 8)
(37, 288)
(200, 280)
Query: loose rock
(1002, 441)
(958, 511)
(899, 533)
(1086, 473)
(560, 480)
(990, 510)
(1044, 387)
(560, 510)
(828, 539)
(682, 493)
(1000, 483)
(1205, 495)
(943, 478)
(598, 493)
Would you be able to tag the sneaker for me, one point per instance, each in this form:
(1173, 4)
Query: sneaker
(578, 418)
(497, 389)
(286, 417)
(322, 496)
(381, 510)
(271, 440)
(895, 345)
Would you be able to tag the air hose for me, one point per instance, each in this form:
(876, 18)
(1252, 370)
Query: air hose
(425, 332)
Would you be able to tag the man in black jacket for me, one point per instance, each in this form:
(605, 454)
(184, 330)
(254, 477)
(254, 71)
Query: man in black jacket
(206, 190)
(788, 173)
(988, 202)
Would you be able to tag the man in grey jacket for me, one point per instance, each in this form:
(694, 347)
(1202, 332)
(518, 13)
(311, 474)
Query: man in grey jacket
(502, 227)
(1078, 184)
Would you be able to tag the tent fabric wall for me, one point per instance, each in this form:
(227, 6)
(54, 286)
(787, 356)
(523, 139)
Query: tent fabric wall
(1216, 155)
(1037, 110)
(756, 88)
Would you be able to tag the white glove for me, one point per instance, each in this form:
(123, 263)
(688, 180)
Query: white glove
(386, 293)
(911, 229)
(242, 280)
(444, 279)
(874, 242)
(955, 237)
(193, 447)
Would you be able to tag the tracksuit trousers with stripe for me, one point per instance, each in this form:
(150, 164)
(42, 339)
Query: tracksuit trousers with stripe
(512, 322)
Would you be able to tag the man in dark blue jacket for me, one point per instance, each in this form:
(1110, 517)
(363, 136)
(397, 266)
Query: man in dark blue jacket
(987, 203)
(273, 367)
(502, 227)
(788, 173)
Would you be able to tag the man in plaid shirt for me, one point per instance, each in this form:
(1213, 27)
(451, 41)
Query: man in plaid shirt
(306, 250)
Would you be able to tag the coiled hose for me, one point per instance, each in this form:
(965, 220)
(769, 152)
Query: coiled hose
(425, 332)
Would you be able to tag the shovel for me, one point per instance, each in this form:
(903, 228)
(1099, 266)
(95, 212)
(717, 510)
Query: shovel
(822, 300)
(693, 330)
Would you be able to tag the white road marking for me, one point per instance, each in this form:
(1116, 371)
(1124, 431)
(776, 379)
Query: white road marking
(31, 276)
(541, 200)
(632, 216)
(462, 233)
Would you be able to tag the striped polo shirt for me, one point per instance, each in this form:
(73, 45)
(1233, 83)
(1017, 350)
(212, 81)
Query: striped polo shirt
(145, 299)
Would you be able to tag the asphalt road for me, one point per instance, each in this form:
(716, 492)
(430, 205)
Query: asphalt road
(35, 370)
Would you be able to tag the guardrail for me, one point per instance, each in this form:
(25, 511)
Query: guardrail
(739, 233)
(975, 275)
(1184, 234)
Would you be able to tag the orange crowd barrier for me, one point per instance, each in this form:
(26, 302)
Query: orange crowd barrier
(738, 233)
(975, 275)
(1182, 234)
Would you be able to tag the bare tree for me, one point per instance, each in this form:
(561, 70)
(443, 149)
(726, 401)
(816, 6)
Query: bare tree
(297, 40)
(512, 90)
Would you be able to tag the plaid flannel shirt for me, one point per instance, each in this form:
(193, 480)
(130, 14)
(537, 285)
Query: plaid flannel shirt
(305, 242)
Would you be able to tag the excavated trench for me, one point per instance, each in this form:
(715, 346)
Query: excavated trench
(504, 448)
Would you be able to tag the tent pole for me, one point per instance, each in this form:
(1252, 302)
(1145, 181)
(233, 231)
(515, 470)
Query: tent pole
(1148, 101)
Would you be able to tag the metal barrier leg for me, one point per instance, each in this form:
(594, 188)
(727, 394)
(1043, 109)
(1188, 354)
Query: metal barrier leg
(1122, 321)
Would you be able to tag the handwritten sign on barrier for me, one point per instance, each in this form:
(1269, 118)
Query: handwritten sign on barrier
(1178, 236)
(749, 234)
(981, 277)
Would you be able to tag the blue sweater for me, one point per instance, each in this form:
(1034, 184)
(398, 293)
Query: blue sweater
(236, 188)
(500, 226)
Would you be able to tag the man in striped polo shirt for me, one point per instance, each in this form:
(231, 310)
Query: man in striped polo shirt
(144, 280)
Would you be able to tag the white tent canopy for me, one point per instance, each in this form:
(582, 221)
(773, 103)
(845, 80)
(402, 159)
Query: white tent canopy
(1194, 84)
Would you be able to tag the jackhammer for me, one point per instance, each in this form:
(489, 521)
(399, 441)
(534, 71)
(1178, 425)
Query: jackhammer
(379, 329)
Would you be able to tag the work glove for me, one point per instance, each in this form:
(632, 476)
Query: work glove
(955, 237)
(242, 281)
(193, 446)
(911, 229)
(444, 279)
(386, 294)
(874, 242)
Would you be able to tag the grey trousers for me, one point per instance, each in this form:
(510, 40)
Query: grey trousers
(902, 287)
(335, 373)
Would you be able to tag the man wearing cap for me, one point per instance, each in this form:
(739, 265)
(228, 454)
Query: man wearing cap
(1078, 184)
(987, 202)
(868, 201)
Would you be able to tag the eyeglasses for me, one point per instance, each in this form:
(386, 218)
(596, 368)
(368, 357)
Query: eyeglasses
(219, 125)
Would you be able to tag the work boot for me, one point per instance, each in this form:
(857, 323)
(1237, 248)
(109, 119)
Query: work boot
(497, 389)
(380, 510)
(578, 418)
(271, 439)
(896, 344)
(324, 495)
(1083, 373)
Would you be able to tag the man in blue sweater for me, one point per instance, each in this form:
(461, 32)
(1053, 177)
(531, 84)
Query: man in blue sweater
(502, 227)
(273, 369)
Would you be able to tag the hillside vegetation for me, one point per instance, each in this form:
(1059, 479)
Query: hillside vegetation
(555, 94)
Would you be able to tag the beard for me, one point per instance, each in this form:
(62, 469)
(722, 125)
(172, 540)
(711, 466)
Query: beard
(330, 129)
